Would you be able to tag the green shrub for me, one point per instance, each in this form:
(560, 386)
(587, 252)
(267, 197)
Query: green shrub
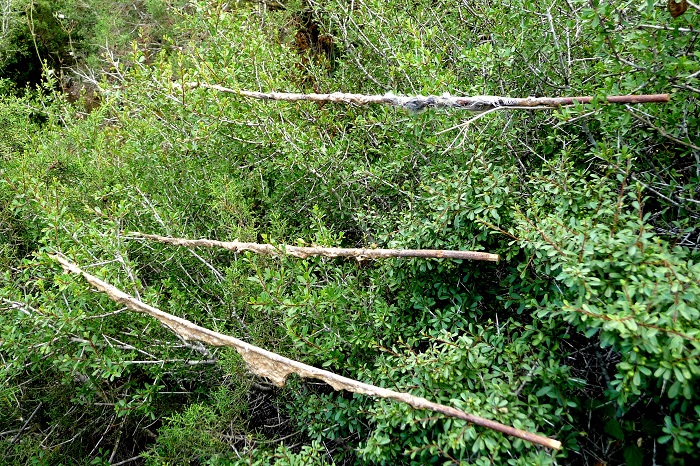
(589, 315)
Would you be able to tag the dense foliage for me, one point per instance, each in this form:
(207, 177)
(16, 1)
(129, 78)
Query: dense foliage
(586, 331)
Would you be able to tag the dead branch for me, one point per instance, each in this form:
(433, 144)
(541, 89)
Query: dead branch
(305, 251)
(24, 426)
(419, 103)
(276, 368)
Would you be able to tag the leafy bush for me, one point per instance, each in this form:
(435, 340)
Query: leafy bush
(590, 315)
(67, 35)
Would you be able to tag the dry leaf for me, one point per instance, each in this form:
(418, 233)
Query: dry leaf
(677, 8)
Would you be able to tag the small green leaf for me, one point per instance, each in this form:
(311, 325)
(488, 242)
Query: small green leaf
(633, 455)
(613, 428)
(675, 388)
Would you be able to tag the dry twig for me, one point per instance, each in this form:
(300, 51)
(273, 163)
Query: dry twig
(276, 368)
(419, 103)
(303, 252)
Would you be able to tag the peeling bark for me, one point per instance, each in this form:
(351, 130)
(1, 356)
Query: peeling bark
(418, 103)
(277, 368)
(307, 251)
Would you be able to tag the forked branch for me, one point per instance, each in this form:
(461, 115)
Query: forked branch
(305, 251)
(418, 103)
(276, 368)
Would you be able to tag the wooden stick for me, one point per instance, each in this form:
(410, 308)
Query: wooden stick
(304, 252)
(277, 368)
(419, 103)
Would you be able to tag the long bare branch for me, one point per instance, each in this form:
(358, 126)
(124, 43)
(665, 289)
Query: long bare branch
(276, 368)
(305, 251)
(419, 103)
